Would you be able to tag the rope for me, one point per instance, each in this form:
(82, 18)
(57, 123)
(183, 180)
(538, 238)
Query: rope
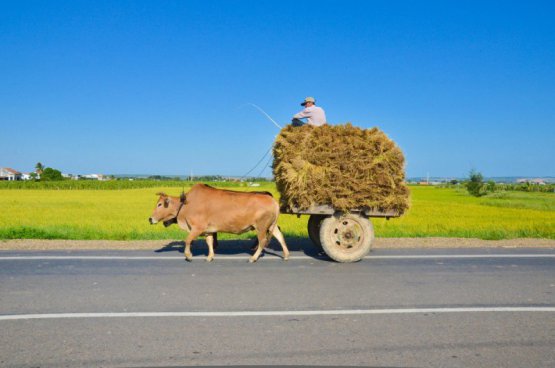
(264, 167)
(258, 163)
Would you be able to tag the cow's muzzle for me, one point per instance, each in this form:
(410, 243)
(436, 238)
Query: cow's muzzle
(152, 221)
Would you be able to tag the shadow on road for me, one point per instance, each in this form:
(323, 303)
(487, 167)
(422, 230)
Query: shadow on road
(246, 247)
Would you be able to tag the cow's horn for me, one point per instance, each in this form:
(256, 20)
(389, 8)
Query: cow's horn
(182, 197)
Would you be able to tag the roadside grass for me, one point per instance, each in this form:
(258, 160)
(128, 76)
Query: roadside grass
(122, 215)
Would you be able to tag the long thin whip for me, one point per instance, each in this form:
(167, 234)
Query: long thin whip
(263, 112)
(268, 151)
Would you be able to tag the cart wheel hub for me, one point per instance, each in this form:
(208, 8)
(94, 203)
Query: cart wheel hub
(348, 234)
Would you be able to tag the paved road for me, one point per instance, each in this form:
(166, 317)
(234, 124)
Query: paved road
(398, 308)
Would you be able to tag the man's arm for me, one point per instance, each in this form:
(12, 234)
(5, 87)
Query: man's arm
(303, 114)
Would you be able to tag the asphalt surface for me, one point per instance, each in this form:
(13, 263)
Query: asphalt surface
(397, 308)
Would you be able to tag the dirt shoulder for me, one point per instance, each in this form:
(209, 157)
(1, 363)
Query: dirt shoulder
(385, 243)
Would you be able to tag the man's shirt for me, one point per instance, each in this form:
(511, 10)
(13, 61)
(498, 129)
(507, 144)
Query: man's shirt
(314, 114)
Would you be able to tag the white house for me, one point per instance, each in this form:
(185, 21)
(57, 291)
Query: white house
(100, 177)
(91, 176)
(538, 181)
(7, 173)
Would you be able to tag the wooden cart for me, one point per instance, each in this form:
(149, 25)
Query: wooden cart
(345, 237)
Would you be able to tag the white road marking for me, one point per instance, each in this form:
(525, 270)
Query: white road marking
(273, 257)
(276, 313)
(428, 256)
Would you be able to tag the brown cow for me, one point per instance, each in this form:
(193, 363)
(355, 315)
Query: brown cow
(205, 211)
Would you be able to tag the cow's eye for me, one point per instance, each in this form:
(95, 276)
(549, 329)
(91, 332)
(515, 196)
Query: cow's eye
(159, 204)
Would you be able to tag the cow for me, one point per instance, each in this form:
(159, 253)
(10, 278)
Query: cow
(205, 211)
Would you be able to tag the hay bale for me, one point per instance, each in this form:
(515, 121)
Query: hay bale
(342, 166)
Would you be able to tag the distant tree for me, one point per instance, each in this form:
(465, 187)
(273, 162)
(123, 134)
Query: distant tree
(491, 186)
(39, 168)
(50, 174)
(33, 175)
(454, 182)
(475, 184)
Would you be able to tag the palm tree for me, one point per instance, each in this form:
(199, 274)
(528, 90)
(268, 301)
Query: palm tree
(39, 168)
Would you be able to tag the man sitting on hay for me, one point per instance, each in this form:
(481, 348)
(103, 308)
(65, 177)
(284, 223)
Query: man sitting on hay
(314, 115)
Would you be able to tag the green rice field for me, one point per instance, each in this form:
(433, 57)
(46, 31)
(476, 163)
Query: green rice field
(121, 214)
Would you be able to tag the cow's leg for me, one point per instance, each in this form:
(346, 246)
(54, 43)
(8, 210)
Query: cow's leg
(279, 236)
(193, 234)
(254, 245)
(210, 242)
(262, 242)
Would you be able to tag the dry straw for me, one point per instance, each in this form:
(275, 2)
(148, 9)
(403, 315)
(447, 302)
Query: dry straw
(342, 166)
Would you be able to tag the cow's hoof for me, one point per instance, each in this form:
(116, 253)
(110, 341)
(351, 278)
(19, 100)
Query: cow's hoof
(286, 258)
(189, 259)
(252, 260)
(209, 259)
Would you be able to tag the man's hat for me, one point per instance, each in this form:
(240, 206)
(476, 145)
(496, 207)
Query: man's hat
(308, 99)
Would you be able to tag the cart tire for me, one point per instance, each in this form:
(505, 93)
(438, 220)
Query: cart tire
(314, 223)
(346, 237)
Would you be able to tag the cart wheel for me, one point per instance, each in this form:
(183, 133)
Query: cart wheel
(346, 238)
(314, 223)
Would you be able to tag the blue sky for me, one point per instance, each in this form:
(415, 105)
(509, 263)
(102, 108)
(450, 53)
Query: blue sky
(158, 86)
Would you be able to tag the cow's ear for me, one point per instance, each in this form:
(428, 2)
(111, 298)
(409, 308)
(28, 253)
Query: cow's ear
(161, 194)
(182, 198)
(166, 202)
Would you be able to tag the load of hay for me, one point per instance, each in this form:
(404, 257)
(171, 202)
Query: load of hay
(342, 166)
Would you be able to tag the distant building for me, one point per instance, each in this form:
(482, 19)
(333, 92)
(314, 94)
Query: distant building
(537, 181)
(7, 173)
(100, 177)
